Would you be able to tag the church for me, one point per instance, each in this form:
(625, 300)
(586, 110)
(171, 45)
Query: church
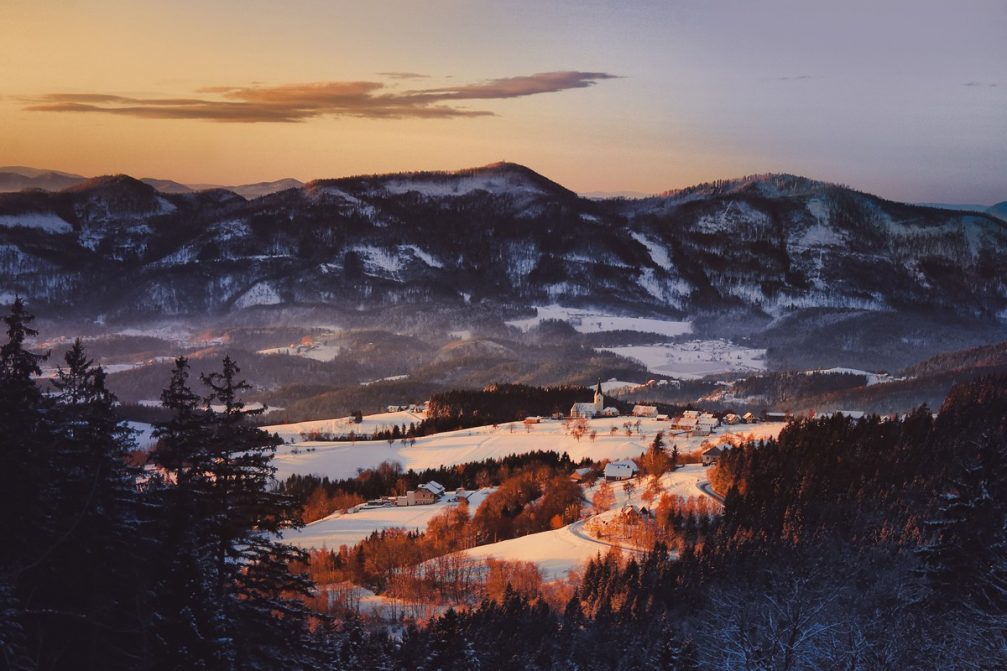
(595, 409)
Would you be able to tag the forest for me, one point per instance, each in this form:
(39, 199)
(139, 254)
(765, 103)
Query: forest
(870, 544)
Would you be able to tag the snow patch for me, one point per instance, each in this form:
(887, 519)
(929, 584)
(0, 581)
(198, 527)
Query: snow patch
(422, 256)
(39, 221)
(586, 321)
(261, 293)
(694, 359)
(658, 252)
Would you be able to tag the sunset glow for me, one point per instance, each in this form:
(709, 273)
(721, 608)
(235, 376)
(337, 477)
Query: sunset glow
(907, 101)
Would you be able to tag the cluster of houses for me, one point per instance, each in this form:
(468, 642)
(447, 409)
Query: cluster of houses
(696, 422)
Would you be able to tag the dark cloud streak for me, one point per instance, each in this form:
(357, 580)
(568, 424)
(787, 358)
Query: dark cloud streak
(291, 103)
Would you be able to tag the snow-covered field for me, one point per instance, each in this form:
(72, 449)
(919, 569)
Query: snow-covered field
(586, 321)
(344, 425)
(560, 551)
(695, 359)
(350, 528)
(342, 459)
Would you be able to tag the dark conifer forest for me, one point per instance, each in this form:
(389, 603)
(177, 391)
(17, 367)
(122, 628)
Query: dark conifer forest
(875, 543)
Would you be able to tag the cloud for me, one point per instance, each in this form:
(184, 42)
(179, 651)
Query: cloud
(290, 103)
(403, 75)
(990, 84)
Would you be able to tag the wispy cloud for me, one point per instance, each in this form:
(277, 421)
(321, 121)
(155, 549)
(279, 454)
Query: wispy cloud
(290, 103)
(403, 75)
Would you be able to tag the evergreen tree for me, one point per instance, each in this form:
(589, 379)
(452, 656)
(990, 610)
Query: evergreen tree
(25, 526)
(966, 558)
(247, 615)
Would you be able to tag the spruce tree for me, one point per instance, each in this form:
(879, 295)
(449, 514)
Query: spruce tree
(25, 526)
(94, 568)
(228, 515)
(966, 557)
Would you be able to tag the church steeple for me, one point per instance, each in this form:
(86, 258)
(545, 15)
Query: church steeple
(599, 399)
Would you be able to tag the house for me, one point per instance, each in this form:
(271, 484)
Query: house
(749, 418)
(644, 411)
(777, 416)
(731, 418)
(663, 418)
(581, 474)
(711, 455)
(589, 410)
(707, 422)
(421, 497)
(434, 487)
(687, 421)
(610, 412)
(621, 470)
(532, 420)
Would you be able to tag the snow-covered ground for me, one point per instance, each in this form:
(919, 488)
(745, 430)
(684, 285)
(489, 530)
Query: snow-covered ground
(143, 434)
(342, 459)
(555, 552)
(560, 551)
(42, 221)
(350, 528)
(695, 359)
(342, 426)
(586, 321)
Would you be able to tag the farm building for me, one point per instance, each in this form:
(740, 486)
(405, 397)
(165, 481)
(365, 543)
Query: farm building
(621, 470)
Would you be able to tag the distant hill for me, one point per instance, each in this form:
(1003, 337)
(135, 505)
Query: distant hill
(18, 178)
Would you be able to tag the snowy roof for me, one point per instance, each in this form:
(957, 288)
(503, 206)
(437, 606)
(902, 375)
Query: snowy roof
(433, 487)
(690, 413)
(621, 467)
(582, 408)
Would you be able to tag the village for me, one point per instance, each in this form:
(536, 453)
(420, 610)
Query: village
(608, 443)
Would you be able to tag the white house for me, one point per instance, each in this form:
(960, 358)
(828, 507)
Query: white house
(434, 487)
(621, 470)
(644, 411)
(707, 422)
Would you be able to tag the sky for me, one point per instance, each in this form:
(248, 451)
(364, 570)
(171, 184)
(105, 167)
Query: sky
(903, 98)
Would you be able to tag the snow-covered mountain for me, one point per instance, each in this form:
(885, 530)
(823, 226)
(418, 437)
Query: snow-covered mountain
(499, 235)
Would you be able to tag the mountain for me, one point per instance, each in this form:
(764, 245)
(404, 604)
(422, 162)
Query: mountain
(999, 210)
(18, 177)
(775, 254)
(167, 185)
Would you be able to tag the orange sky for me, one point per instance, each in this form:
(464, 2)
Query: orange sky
(697, 91)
